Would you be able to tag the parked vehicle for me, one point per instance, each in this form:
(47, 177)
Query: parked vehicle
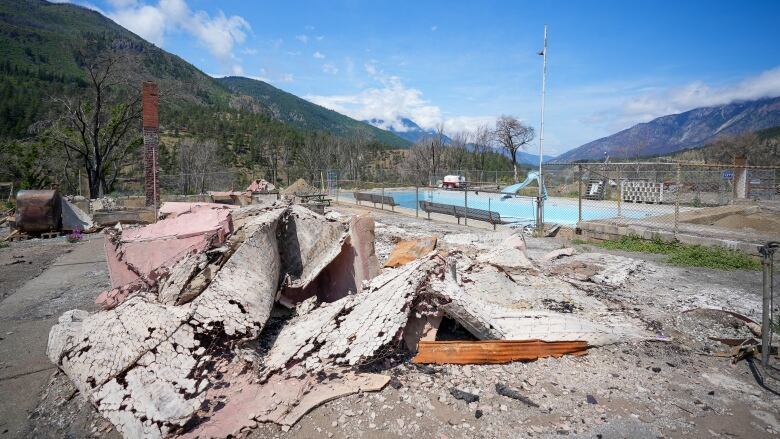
(454, 182)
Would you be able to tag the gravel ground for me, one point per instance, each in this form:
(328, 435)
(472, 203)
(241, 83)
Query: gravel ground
(669, 386)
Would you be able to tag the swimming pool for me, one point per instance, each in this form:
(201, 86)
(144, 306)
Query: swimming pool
(522, 209)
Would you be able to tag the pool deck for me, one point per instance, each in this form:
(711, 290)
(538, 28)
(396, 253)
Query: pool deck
(690, 229)
(660, 224)
(601, 208)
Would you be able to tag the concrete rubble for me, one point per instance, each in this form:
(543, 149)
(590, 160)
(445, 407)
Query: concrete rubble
(184, 345)
(73, 218)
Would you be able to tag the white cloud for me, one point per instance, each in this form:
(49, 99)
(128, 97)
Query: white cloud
(434, 28)
(302, 38)
(249, 51)
(330, 69)
(318, 55)
(391, 102)
(467, 123)
(146, 21)
(287, 77)
(320, 37)
(218, 33)
(648, 106)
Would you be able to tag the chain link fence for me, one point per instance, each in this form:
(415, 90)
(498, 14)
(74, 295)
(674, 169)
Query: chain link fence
(666, 197)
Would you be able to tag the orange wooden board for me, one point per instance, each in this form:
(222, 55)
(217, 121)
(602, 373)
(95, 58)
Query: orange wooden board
(493, 351)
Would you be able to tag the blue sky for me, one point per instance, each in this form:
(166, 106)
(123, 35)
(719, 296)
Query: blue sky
(611, 64)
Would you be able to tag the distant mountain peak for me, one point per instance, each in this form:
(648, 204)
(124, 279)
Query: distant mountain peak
(405, 128)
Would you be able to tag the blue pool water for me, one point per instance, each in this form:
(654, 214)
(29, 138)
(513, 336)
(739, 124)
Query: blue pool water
(516, 209)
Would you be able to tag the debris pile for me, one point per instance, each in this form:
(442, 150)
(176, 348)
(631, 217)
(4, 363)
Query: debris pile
(184, 345)
(299, 187)
(259, 186)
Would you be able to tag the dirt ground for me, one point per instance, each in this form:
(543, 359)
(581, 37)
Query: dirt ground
(671, 385)
(767, 222)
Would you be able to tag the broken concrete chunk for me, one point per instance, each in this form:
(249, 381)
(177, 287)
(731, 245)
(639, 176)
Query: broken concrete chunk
(141, 252)
(284, 399)
(421, 327)
(511, 254)
(557, 254)
(353, 329)
(409, 250)
(311, 244)
(355, 264)
(508, 258)
(241, 296)
(598, 269)
(172, 286)
(172, 209)
(74, 218)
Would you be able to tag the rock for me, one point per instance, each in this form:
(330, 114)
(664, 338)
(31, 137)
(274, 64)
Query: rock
(509, 392)
(463, 395)
(408, 250)
(557, 254)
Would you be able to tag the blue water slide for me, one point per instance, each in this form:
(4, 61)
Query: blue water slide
(530, 178)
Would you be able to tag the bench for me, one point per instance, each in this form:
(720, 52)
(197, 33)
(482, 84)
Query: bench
(462, 212)
(374, 198)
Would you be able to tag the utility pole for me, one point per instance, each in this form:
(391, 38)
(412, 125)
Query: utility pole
(540, 202)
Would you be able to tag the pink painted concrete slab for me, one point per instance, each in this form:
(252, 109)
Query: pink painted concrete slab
(145, 251)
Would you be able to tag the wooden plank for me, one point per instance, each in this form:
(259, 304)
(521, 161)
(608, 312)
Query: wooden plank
(493, 351)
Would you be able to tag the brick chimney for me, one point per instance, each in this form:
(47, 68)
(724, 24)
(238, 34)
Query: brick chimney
(151, 144)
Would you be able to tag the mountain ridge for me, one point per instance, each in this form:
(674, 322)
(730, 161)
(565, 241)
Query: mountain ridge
(296, 111)
(43, 46)
(674, 132)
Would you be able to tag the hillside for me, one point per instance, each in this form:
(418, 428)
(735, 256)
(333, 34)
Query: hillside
(300, 113)
(675, 132)
(43, 47)
(761, 148)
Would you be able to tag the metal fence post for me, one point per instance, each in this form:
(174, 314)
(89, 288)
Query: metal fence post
(466, 206)
(383, 194)
(416, 201)
(579, 196)
(620, 193)
(677, 199)
(767, 252)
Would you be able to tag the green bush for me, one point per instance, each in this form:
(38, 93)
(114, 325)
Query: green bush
(686, 255)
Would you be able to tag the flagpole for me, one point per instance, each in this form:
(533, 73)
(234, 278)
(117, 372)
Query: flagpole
(539, 219)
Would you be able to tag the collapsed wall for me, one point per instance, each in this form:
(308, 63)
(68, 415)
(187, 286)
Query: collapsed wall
(169, 354)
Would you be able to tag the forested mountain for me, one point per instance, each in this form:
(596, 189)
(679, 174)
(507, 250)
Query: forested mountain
(675, 132)
(43, 47)
(300, 113)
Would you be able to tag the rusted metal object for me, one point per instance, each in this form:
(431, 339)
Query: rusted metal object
(38, 211)
(493, 351)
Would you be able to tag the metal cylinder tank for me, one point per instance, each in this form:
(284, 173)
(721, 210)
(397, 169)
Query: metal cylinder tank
(38, 211)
